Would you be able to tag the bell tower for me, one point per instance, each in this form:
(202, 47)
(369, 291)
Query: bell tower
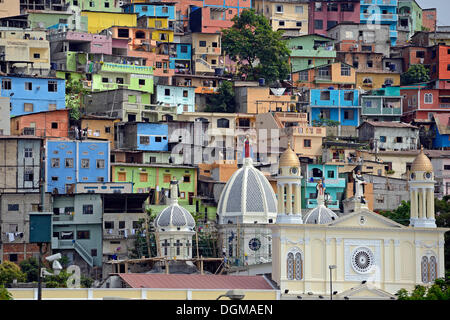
(288, 188)
(421, 186)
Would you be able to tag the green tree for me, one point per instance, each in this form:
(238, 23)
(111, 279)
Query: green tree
(417, 73)
(325, 123)
(5, 294)
(31, 269)
(86, 282)
(400, 215)
(223, 100)
(57, 281)
(440, 290)
(260, 51)
(10, 271)
(74, 96)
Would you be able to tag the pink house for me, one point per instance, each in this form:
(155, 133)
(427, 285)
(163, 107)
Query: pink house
(419, 102)
(324, 14)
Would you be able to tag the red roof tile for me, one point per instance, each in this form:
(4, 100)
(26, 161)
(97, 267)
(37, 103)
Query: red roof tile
(194, 281)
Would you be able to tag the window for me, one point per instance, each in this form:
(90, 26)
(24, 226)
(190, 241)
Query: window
(202, 43)
(144, 140)
(105, 80)
(367, 81)
(389, 81)
(348, 96)
(122, 33)
(223, 123)
(28, 152)
(6, 84)
(28, 86)
(420, 54)
(36, 55)
(213, 61)
(109, 224)
(347, 7)
(324, 114)
(428, 98)
(183, 49)
(88, 209)
(446, 167)
(298, 24)
(330, 174)
(398, 139)
(332, 7)
(69, 162)
(331, 24)
(54, 178)
(429, 269)
(299, 9)
(119, 80)
(185, 93)
(165, 9)
(143, 177)
(94, 252)
(166, 178)
(349, 115)
(281, 23)
(107, 129)
(28, 107)
(307, 143)
(142, 82)
(100, 163)
(85, 163)
(158, 139)
(382, 138)
(13, 207)
(55, 162)
(122, 176)
(52, 86)
(369, 64)
(121, 224)
(279, 8)
(167, 92)
(345, 70)
(294, 266)
(83, 235)
(13, 257)
(187, 179)
(54, 125)
(318, 24)
(325, 95)
(318, 6)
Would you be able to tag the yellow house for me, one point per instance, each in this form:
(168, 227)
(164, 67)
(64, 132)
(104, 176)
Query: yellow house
(375, 80)
(255, 99)
(287, 14)
(98, 21)
(206, 52)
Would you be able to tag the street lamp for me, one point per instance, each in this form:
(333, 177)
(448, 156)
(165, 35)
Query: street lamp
(331, 267)
(233, 295)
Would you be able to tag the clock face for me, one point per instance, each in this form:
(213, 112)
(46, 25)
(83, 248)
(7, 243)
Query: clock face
(254, 244)
(413, 175)
(294, 170)
(427, 175)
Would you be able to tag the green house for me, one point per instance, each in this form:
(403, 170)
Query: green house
(310, 50)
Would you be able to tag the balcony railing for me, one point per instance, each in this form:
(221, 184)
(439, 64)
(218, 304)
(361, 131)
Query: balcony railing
(65, 217)
(119, 233)
(444, 105)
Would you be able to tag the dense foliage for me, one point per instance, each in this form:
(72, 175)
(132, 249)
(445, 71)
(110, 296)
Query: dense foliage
(74, 95)
(5, 294)
(30, 268)
(417, 73)
(440, 290)
(10, 271)
(259, 51)
(223, 100)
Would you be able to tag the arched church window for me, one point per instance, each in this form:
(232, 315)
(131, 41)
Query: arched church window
(424, 265)
(433, 269)
(298, 266)
(290, 266)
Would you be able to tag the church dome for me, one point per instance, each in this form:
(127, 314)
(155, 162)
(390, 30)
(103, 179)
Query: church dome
(248, 192)
(289, 158)
(422, 163)
(174, 217)
(320, 215)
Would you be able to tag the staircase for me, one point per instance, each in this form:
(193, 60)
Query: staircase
(83, 253)
(203, 62)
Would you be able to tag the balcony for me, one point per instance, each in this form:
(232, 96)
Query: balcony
(380, 2)
(117, 234)
(62, 218)
(126, 68)
(207, 50)
(444, 105)
(389, 17)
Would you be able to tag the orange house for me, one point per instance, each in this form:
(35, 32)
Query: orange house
(340, 75)
(48, 124)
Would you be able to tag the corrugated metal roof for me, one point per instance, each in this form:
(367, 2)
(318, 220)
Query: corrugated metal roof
(194, 281)
(389, 124)
(442, 122)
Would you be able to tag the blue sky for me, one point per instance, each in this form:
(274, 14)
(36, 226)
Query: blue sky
(443, 9)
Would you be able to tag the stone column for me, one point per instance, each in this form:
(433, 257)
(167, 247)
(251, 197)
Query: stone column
(397, 266)
(430, 204)
(289, 199)
(297, 199)
(424, 203)
(280, 198)
(414, 213)
(339, 260)
(419, 204)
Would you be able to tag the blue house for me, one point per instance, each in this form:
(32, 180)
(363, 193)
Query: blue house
(337, 105)
(160, 10)
(70, 162)
(31, 95)
(142, 136)
(381, 12)
(334, 186)
(180, 57)
(182, 97)
(441, 129)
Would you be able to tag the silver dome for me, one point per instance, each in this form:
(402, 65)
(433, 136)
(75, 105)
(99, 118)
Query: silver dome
(320, 215)
(174, 216)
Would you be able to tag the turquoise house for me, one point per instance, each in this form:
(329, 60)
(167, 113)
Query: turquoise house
(384, 104)
(334, 186)
(77, 227)
(181, 97)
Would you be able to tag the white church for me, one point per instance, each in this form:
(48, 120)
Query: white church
(364, 254)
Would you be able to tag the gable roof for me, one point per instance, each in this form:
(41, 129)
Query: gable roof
(388, 124)
(442, 122)
(364, 291)
(195, 281)
(386, 221)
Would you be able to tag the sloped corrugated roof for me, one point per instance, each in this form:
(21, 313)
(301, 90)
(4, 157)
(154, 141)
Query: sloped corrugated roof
(388, 124)
(442, 122)
(194, 281)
